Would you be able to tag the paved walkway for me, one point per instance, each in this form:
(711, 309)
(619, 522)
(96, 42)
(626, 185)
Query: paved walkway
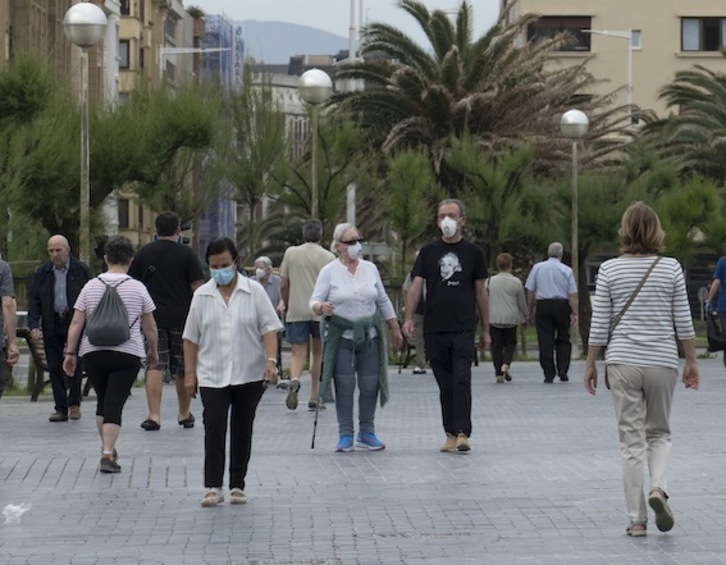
(542, 484)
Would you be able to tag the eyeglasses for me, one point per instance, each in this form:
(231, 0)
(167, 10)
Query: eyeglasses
(353, 241)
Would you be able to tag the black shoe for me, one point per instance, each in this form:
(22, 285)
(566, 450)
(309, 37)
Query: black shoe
(187, 422)
(109, 466)
(150, 425)
(549, 381)
(564, 378)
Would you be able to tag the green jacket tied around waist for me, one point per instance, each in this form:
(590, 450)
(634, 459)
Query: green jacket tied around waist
(332, 331)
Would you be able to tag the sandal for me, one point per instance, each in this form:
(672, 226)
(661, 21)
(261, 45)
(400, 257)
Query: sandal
(636, 530)
(150, 425)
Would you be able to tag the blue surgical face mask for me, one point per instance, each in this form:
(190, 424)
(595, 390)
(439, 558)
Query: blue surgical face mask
(222, 276)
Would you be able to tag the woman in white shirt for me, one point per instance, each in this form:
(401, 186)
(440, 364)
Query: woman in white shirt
(642, 357)
(230, 348)
(113, 368)
(350, 294)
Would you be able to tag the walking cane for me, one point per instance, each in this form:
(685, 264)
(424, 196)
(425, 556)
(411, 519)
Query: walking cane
(320, 381)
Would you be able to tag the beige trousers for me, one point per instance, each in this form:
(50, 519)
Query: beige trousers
(642, 397)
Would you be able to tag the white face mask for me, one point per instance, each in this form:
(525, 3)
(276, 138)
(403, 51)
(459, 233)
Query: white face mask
(260, 273)
(448, 226)
(354, 251)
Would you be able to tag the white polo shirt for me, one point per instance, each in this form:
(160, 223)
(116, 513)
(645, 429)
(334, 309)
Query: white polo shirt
(229, 336)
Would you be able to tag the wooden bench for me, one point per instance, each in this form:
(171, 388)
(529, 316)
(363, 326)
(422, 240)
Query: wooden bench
(38, 366)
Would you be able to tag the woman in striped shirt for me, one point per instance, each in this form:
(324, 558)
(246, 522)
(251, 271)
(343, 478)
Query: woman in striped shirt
(642, 357)
(113, 369)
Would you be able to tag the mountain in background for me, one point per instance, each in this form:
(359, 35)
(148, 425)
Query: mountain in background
(276, 42)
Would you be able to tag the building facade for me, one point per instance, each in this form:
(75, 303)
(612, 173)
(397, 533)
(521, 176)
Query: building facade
(667, 36)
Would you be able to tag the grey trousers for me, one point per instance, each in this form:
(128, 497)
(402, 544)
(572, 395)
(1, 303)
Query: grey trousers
(642, 397)
(365, 365)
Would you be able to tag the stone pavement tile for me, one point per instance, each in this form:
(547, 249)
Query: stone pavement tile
(542, 484)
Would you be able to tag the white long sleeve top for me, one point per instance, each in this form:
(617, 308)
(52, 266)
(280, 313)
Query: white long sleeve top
(355, 296)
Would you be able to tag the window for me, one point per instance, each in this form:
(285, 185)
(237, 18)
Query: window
(703, 34)
(123, 54)
(125, 8)
(636, 41)
(550, 26)
(123, 213)
(140, 216)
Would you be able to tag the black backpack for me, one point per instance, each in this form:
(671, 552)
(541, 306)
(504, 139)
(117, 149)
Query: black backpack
(109, 323)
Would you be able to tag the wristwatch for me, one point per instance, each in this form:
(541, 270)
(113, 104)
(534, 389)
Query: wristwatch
(272, 360)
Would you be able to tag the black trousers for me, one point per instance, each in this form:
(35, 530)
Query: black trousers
(553, 335)
(112, 374)
(66, 390)
(504, 344)
(450, 355)
(243, 400)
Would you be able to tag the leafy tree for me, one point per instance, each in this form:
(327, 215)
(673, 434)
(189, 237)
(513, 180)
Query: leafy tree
(26, 86)
(410, 183)
(340, 144)
(256, 158)
(496, 88)
(695, 135)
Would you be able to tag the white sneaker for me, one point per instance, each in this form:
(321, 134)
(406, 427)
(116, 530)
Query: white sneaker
(213, 497)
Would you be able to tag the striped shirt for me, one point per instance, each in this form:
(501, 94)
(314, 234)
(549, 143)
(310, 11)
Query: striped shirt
(646, 335)
(229, 336)
(137, 301)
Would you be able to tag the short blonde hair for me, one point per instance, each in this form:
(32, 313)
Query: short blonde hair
(640, 231)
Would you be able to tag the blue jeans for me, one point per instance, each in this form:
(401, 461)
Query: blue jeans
(364, 363)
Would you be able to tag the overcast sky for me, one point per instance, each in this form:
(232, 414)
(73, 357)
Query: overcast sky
(334, 15)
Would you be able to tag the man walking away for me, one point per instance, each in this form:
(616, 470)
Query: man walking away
(551, 287)
(171, 272)
(299, 270)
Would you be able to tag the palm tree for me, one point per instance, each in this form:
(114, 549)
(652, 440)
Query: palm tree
(498, 88)
(695, 135)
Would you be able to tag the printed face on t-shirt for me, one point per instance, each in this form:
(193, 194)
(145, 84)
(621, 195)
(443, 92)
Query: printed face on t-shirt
(449, 265)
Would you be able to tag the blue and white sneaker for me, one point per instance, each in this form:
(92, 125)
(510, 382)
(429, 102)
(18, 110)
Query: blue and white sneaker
(368, 440)
(345, 444)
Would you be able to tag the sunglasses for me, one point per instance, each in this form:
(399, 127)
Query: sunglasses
(353, 241)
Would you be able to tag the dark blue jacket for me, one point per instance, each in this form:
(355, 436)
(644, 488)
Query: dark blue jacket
(42, 288)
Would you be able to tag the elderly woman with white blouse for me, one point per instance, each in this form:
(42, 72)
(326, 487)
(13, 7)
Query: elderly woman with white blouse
(230, 347)
(350, 295)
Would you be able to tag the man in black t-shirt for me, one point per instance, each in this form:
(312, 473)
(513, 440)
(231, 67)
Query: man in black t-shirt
(454, 271)
(171, 272)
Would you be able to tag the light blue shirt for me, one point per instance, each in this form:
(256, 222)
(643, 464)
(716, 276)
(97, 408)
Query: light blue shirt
(60, 297)
(551, 279)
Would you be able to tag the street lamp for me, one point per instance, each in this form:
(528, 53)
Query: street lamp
(315, 87)
(85, 25)
(574, 125)
(628, 35)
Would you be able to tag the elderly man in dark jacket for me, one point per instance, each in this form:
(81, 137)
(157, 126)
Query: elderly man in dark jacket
(53, 291)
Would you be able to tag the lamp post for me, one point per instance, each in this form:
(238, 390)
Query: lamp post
(85, 25)
(315, 87)
(574, 125)
(628, 36)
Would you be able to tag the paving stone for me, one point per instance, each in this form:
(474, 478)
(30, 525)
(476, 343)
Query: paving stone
(542, 483)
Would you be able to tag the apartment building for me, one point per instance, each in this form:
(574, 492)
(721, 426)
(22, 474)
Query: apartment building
(640, 43)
